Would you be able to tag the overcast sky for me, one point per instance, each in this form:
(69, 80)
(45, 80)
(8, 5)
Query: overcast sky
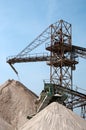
(21, 21)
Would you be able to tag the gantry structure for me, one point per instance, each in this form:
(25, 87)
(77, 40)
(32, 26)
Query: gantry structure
(62, 57)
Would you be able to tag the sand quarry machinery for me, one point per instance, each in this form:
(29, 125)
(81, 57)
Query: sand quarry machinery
(62, 58)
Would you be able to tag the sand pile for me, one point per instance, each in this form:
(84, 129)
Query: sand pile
(55, 117)
(16, 103)
(4, 125)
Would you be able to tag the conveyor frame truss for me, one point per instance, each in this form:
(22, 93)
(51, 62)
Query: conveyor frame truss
(62, 56)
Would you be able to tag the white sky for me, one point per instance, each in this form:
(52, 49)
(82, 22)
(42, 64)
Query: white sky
(21, 21)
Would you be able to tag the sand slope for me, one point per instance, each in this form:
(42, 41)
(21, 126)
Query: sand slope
(55, 117)
(16, 103)
(4, 125)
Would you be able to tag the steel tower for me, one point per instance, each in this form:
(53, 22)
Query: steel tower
(62, 58)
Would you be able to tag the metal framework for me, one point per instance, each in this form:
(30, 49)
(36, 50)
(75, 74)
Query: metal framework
(61, 62)
(62, 58)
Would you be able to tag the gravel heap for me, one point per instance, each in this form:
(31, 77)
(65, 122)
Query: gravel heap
(55, 117)
(16, 103)
(4, 125)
